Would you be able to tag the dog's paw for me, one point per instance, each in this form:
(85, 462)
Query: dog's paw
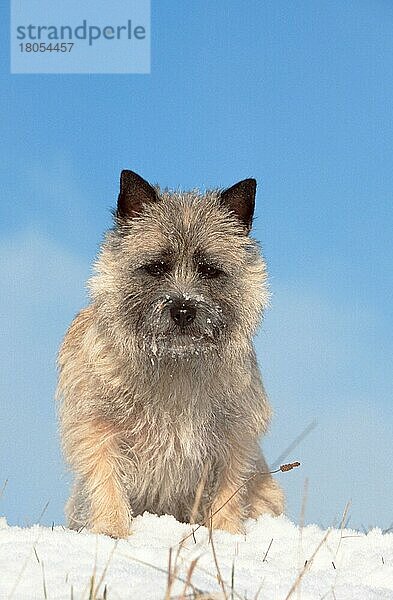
(232, 525)
(114, 530)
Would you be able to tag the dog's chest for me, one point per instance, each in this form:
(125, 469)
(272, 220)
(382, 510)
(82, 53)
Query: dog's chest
(167, 454)
(161, 439)
(166, 466)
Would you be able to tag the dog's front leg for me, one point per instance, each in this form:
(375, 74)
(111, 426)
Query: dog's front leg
(93, 447)
(228, 509)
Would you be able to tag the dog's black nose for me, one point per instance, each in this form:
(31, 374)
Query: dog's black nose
(183, 313)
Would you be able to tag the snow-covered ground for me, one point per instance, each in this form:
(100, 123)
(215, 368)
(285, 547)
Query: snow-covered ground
(265, 563)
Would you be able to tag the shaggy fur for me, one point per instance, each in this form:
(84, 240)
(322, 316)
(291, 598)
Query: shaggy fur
(147, 407)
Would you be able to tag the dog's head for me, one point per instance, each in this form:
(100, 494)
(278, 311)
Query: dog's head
(178, 271)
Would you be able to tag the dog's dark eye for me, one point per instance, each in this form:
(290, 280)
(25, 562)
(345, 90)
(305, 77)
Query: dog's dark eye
(208, 271)
(157, 268)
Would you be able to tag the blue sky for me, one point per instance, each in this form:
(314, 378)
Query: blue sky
(296, 94)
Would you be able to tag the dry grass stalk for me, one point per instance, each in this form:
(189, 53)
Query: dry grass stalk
(195, 590)
(190, 572)
(267, 551)
(307, 565)
(3, 488)
(104, 572)
(294, 444)
(219, 576)
(198, 495)
(301, 525)
(283, 469)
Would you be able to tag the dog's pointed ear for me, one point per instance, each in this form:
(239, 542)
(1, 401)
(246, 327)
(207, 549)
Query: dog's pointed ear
(240, 199)
(135, 192)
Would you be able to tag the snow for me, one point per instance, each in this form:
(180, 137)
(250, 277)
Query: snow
(264, 563)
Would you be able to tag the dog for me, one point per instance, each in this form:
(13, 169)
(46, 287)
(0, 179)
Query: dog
(161, 400)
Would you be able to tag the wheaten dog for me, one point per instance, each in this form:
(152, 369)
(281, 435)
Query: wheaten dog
(158, 381)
